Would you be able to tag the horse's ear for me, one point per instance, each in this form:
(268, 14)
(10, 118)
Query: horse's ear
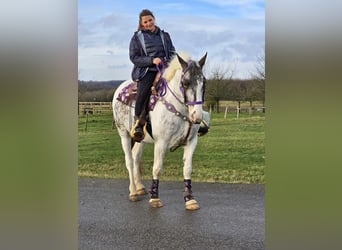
(202, 61)
(183, 63)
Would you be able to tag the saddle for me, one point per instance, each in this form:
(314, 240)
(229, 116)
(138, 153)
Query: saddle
(129, 94)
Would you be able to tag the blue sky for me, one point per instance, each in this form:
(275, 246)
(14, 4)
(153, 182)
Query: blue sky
(231, 31)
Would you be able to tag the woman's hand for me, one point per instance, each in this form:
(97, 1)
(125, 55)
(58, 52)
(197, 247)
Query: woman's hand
(157, 61)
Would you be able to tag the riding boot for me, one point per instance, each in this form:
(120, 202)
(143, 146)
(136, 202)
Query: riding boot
(137, 132)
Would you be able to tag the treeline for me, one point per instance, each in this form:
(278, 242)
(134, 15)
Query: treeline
(97, 91)
(216, 90)
(237, 90)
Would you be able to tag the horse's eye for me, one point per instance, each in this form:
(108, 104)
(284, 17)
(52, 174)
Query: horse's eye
(186, 84)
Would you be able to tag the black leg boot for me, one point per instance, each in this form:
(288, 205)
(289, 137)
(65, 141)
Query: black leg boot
(154, 189)
(155, 201)
(190, 202)
(187, 193)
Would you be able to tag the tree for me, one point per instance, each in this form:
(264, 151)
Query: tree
(237, 90)
(260, 78)
(217, 85)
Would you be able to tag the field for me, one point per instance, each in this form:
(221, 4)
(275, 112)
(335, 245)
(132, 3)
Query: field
(232, 152)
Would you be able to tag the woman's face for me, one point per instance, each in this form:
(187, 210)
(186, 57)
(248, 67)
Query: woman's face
(147, 23)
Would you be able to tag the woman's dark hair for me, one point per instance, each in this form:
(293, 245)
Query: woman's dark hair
(144, 12)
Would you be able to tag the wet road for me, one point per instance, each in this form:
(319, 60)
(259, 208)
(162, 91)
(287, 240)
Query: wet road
(231, 217)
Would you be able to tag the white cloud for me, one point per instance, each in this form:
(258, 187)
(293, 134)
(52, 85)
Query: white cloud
(104, 39)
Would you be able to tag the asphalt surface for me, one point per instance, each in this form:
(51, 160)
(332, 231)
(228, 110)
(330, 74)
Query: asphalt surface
(232, 216)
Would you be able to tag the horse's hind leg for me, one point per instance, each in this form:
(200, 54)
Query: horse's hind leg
(190, 202)
(137, 151)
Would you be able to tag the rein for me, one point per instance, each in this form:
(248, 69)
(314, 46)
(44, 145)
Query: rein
(162, 91)
(170, 106)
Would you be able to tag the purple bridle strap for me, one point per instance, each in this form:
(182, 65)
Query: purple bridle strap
(175, 94)
(161, 71)
(163, 84)
(194, 103)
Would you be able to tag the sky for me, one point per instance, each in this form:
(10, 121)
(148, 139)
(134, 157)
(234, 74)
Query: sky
(231, 31)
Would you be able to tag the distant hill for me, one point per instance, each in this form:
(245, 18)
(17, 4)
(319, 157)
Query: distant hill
(97, 90)
(100, 84)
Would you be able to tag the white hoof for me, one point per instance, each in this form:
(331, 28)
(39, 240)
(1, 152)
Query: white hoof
(191, 205)
(142, 191)
(156, 203)
(134, 197)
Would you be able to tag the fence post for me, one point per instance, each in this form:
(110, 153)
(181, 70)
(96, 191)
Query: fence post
(225, 112)
(237, 111)
(86, 126)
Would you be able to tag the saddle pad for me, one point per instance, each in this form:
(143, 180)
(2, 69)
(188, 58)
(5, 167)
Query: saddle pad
(128, 93)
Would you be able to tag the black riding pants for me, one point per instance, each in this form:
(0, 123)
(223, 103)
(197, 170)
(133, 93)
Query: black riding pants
(144, 93)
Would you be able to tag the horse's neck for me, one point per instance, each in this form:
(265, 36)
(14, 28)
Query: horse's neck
(174, 86)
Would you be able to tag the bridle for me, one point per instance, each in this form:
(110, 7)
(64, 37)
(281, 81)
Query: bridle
(169, 106)
(182, 86)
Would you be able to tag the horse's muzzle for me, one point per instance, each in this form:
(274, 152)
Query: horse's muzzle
(196, 114)
(197, 121)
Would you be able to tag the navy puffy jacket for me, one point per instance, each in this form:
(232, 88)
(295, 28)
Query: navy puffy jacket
(141, 60)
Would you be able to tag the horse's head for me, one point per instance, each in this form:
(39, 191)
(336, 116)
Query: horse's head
(193, 85)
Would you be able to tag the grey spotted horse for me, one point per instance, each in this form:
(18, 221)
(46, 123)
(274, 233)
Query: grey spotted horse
(175, 116)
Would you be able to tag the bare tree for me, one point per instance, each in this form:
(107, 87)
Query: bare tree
(217, 85)
(260, 67)
(260, 78)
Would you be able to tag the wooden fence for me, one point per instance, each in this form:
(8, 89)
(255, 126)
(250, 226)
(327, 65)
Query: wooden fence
(105, 107)
(94, 107)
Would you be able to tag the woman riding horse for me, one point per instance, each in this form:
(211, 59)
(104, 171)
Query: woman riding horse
(149, 46)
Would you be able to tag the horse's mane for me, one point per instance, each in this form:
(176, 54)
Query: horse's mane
(174, 65)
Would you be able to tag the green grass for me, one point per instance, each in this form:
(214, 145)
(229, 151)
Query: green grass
(232, 152)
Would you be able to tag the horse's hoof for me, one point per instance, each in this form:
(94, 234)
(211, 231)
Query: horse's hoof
(134, 197)
(156, 203)
(191, 205)
(142, 191)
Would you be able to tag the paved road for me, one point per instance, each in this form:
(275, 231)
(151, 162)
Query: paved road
(231, 217)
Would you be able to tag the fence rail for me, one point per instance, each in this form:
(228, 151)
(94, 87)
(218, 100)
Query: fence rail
(105, 107)
(94, 107)
(230, 108)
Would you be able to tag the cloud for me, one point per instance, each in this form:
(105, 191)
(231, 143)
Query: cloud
(119, 66)
(230, 31)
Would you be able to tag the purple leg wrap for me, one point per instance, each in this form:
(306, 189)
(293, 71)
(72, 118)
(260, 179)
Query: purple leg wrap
(154, 189)
(187, 194)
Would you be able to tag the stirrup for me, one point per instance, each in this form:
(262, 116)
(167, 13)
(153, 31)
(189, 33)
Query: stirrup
(132, 132)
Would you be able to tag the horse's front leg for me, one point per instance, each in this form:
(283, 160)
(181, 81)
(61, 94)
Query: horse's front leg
(126, 146)
(159, 153)
(137, 152)
(190, 202)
